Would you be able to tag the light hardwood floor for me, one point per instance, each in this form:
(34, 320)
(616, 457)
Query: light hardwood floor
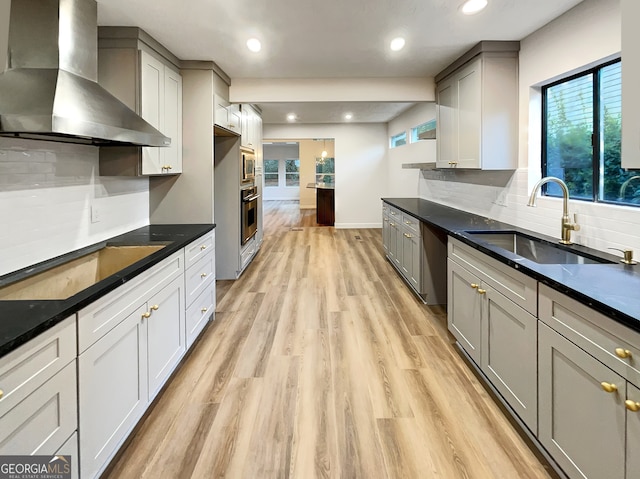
(322, 364)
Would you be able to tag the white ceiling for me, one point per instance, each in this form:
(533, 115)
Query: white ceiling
(328, 38)
(333, 112)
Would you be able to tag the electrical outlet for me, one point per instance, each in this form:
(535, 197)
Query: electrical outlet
(95, 214)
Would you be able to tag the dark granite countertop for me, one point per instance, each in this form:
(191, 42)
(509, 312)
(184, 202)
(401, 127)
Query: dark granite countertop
(611, 289)
(22, 320)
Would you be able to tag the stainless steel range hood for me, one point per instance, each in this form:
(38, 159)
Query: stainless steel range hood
(49, 89)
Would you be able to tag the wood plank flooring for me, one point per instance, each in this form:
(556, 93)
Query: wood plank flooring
(322, 364)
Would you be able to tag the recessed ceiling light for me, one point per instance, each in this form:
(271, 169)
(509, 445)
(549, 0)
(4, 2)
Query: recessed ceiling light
(348, 116)
(397, 44)
(254, 45)
(473, 6)
(291, 117)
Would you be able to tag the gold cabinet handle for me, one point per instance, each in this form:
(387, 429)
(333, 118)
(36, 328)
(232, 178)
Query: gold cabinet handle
(203, 275)
(453, 163)
(407, 235)
(632, 405)
(204, 310)
(609, 387)
(623, 353)
(203, 247)
(155, 307)
(392, 213)
(1, 393)
(474, 285)
(392, 224)
(481, 291)
(146, 315)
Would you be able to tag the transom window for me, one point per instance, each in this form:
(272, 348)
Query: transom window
(581, 137)
(398, 140)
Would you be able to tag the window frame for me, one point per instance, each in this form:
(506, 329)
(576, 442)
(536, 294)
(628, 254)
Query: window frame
(596, 136)
(397, 136)
(265, 173)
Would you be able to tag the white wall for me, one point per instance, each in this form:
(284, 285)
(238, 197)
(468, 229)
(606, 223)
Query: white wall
(585, 35)
(361, 167)
(46, 193)
(405, 182)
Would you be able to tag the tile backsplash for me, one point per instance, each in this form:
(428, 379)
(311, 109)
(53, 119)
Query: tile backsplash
(52, 201)
(601, 226)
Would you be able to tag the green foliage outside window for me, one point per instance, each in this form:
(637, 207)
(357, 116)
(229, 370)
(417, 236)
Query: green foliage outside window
(583, 135)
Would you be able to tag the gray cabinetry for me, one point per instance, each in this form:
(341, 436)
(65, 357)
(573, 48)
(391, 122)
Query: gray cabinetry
(588, 385)
(417, 252)
(508, 353)
(477, 109)
(581, 424)
(464, 309)
(145, 76)
(494, 329)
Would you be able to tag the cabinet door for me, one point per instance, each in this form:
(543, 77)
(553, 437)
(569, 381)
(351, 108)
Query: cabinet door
(464, 309)
(580, 424)
(509, 354)
(411, 258)
(630, 80)
(469, 88)
(633, 434)
(41, 422)
(152, 108)
(172, 155)
(393, 240)
(446, 125)
(112, 391)
(165, 333)
(385, 233)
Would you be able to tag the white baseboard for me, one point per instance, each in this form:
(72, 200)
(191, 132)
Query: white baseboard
(343, 226)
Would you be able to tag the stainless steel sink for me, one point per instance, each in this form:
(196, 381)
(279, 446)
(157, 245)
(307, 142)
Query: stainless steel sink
(534, 249)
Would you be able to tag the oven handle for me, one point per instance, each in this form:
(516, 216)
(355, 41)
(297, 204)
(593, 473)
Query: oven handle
(250, 198)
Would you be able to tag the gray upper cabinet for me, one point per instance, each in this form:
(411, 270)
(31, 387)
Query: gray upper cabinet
(477, 109)
(143, 75)
(630, 80)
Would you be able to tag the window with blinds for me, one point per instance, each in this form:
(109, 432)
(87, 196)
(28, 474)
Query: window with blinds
(581, 137)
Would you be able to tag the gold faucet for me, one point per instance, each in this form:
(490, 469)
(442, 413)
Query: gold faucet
(623, 188)
(567, 225)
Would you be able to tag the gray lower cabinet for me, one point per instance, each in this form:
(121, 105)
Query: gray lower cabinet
(464, 309)
(508, 353)
(581, 424)
(417, 251)
(633, 431)
(497, 332)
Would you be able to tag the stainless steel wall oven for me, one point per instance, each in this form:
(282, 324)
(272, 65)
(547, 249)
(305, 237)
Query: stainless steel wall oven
(248, 212)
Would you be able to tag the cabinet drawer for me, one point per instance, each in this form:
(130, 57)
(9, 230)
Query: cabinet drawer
(199, 276)
(518, 287)
(41, 422)
(247, 253)
(102, 315)
(196, 250)
(597, 334)
(395, 214)
(24, 370)
(411, 223)
(199, 313)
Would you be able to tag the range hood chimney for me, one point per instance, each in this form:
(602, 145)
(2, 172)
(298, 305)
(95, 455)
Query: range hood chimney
(48, 87)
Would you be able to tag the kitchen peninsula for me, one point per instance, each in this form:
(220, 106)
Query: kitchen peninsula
(325, 203)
